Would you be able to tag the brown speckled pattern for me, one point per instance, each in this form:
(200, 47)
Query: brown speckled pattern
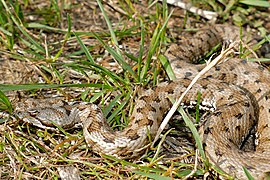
(236, 93)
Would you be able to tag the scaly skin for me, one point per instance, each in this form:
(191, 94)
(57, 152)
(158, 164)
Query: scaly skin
(236, 94)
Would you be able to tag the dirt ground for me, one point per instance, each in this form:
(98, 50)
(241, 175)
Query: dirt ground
(29, 153)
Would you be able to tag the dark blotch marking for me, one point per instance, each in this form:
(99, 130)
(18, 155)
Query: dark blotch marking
(156, 99)
(139, 110)
(257, 81)
(204, 86)
(207, 130)
(238, 128)
(250, 116)
(246, 104)
(223, 76)
(249, 168)
(134, 137)
(152, 109)
(209, 76)
(261, 68)
(201, 49)
(245, 82)
(150, 122)
(228, 146)
(68, 111)
(220, 89)
(100, 124)
(178, 66)
(205, 78)
(170, 91)
(204, 144)
(142, 123)
(218, 113)
(217, 68)
(144, 97)
(65, 103)
(154, 88)
(231, 168)
(259, 90)
(226, 129)
(230, 97)
(238, 116)
(232, 68)
(107, 140)
(244, 61)
(188, 74)
(246, 72)
(217, 152)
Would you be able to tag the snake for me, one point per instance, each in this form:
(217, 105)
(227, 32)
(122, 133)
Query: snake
(234, 96)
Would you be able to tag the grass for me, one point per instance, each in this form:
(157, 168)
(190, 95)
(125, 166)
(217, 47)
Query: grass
(56, 51)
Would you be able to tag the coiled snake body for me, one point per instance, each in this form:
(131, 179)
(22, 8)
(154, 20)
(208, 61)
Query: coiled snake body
(236, 93)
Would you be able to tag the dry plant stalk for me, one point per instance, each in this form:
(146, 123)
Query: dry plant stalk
(218, 59)
(210, 15)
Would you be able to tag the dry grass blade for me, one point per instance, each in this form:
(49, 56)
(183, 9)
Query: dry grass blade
(218, 59)
(103, 53)
(206, 14)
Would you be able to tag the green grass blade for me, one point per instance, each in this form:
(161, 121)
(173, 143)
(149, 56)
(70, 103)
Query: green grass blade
(166, 65)
(259, 60)
(109, 25)
(5, 103)
(118, 57)
(65, 40)
(260, 3)
(249, 177)
(153, 46)
(195, 134)
(117, 80)
(110, 106)
(122, 105)
(141, 49)
(36, 25)
(22, 28)
(11, 87)
(198, 107)
(87, 53)
(152, 176)
(4, 31)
